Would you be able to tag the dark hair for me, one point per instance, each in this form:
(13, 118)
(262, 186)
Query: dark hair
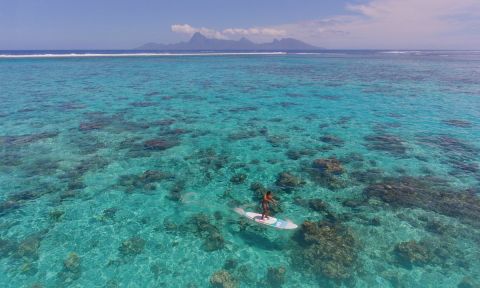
(269, 192)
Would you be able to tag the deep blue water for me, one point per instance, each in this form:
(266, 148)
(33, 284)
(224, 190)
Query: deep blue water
(124, 172)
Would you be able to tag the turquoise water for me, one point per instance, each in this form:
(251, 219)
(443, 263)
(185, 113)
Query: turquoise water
(124, 172)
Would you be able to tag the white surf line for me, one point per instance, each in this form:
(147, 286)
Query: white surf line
(90, 55)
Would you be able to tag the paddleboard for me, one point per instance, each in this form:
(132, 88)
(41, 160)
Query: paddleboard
(270, 221)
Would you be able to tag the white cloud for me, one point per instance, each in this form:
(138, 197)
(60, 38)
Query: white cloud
(384, 24)
(189, 30)
(255, 33)
(269, 32)
(397, 24)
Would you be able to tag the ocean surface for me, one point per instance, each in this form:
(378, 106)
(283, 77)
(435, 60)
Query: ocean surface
(125, 171)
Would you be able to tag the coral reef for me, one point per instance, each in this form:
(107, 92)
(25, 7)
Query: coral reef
(211, 159)
(297, 154)
(230, 264)
(460, 155)
(242, 135)
(258, 190)
(29, 246)
(132, 246)
(386, 143)
(458, 123)
(56, 215)
(212, 238)
(332, 140)
(428, 193)
(176, 191)
(7, 247)
(468, 282)
(17, 200)
(329, 165)
(275, 276)
(71, 268)
(368, 176)
(145, 181)
(238, 178)
(277, 140)
(160, 144)
(223, 279)
(413, 252)
(287, 182)
(326, 172)
(8, 141)
(143, 104)
(326, 249)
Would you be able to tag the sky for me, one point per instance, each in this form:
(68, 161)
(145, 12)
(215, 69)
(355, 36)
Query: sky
(332, 24)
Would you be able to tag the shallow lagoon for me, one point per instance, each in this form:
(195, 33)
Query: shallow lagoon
(124, 172)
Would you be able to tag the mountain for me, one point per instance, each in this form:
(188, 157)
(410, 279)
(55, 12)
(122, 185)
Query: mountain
(199, 42)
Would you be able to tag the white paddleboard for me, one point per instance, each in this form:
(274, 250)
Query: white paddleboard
(270, 221)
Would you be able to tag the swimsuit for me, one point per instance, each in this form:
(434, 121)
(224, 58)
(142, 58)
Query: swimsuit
(265, 204)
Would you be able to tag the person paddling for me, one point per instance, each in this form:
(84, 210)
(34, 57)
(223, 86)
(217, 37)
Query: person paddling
(266, 200)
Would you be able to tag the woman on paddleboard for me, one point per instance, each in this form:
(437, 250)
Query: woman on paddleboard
(266, 200)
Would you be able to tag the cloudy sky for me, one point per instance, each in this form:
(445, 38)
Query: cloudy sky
(334, 24)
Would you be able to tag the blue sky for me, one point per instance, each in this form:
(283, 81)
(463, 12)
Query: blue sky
(121, 24)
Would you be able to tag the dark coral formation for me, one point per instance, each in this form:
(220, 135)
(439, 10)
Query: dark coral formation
(326, 172)
(297, 154)
(132, 246)
(160, 144)
(258, 190)
(368, 176)
(458, 123)
(17, 200)
(238, 178)
(109, 213)
(8, 160)
(163, 122)
(230, 264)
(243, 109)
(100, 120)
(143, 104)
(429, 194)
(275, 276)
(203, 228)
(56, 215)
(42, 166)
(25, 139)
(460, 155)
(7, 247)
(145, 181)
(277, 140)
(28, 248)
(468, 282)
(429, 252)
(326, 249)
(242, 135)
(288, 182)
(89, 126)
(332, 140)
(223, 279)
(413, 252)
(387, 143)
(210, 159)
(315, 204)
(328, 166)
(71, 268)
(176, 191)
